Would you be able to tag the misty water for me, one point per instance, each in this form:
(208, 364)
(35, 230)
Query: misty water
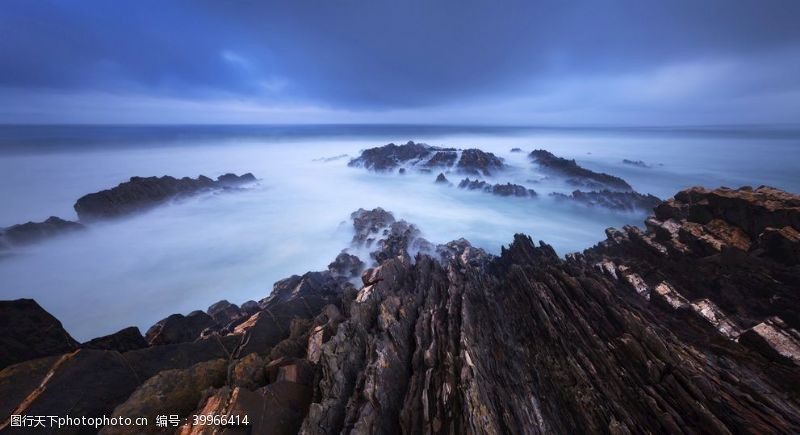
(193, 252)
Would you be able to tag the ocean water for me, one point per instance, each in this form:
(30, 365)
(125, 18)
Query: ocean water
(191, 253)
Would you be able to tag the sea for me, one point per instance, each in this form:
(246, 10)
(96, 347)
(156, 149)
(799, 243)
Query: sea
(190, 253)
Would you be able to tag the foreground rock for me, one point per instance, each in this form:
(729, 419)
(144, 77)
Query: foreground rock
(689, 326)
(424, 157)
(507, 189)
(620, 201)
(27, 331)
(576, 174)
(141, 193)
(32, 232)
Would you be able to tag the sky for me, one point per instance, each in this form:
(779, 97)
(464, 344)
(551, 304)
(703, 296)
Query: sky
(614, 62)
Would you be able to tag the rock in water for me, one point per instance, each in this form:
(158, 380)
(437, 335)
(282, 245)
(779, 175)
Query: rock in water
(441, 179)
(621, 201)
(507, 189)
(425, 157)
(141, 193)
(27, 331)
(638, 163)
(577, 174)
(31, 232)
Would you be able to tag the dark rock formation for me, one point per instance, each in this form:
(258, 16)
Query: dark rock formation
(224, 312)
(507, 189)
(124, 340)
(442, 159)
(516, 150)
(577, 175)
(687, 327)
(230, 179)
(140, 193)
(477, 162)
(346, 265)
(27, 331)
(391, 156)
(32, 232)
(178, 328)
(622, 201)
(638, 163)
(425, 157)
(441, 179)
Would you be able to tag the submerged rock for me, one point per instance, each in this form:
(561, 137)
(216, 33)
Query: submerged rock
(141, 193)
(577, 175)
(638, 163)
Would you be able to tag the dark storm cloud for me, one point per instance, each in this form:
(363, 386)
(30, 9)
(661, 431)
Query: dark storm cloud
(387, 54)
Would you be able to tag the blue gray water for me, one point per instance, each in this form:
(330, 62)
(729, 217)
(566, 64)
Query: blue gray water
(191, 253)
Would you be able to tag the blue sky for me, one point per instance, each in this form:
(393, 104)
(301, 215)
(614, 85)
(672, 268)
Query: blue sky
(621, 62)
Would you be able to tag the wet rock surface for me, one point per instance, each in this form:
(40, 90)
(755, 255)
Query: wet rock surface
(576, 174)
(688, 326)
(621, 201)
(141, 193)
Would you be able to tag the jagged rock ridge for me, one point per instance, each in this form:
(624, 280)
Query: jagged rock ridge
(424, 157)
(140, 193)
(687, 327)
(507, 189)
(622, 201)
(32, 232)
(578, 175)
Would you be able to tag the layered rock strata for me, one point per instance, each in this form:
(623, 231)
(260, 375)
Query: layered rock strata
(689, 326)
(140, 193)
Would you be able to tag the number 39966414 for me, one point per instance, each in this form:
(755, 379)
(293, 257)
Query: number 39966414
(219, 420)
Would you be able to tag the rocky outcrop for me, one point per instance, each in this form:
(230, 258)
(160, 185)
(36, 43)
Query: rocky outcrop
(27, 331)
(346, 266)
(576, 174)
(178, 328)
(32, 232)
(141, 193)
(124, 340)
(507, 189)
(620, 201)
(476, 162)
(441, 179)
(424, 157)
(689, 326)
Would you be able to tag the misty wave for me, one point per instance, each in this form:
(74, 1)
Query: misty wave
(195, 251)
